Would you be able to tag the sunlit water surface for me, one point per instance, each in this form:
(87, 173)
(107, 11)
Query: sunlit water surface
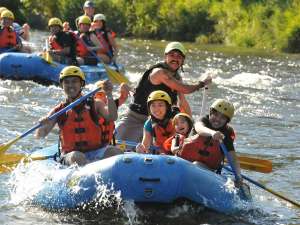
(264, 91)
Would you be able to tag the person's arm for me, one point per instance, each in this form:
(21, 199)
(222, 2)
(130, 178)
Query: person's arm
(183, 104)
(113, 43)
(204, 131)
(124, 92)
(47, 126)
(162, 76)
(109, 111)
(25, 34)
(144, 146)
(95, 41)
(237, 167)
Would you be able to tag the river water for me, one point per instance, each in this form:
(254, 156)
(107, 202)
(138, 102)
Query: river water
(264, 90)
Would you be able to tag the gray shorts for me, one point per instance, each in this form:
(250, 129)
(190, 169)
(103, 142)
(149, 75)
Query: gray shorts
(130, 127)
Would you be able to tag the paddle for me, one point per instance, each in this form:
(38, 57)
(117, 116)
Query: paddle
(46, 55)
(234, 171)
(267, 189)
(114, 76)
(247, 163)
(10, 161)
(255, 164)
(5, 146)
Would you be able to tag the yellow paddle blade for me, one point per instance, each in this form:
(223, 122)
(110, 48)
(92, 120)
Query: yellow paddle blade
(47, 57)
(255, 164)
(114, 76)
(5, 146)
(9, 161)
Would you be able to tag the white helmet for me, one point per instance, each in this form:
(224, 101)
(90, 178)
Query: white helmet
(99, 16)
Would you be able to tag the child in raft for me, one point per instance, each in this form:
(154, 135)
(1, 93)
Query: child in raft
(159, 127)
(183, 124)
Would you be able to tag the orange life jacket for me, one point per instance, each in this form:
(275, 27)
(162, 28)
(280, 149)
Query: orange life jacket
(107, 127)
(8, 37)
(161, 134)
(54, 45)
(78, 129)
(202, 149)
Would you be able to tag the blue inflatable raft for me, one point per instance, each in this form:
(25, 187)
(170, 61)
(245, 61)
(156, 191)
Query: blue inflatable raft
(137, 177)
(25, 66)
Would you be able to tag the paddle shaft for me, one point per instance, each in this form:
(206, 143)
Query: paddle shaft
(114, 76)
(267, 189)
(62, 111)
(230, 160)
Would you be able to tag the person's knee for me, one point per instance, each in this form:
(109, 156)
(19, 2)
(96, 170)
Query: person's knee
(76, 157)
(112, 151)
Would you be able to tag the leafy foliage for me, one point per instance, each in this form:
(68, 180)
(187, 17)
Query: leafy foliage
(269, 24)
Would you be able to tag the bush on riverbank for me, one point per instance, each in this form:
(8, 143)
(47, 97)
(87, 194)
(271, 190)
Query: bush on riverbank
(265, 24)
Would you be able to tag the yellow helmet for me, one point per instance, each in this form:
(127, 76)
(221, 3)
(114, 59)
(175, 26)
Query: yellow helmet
(7, 14)
(175, 46)
(183, 115)
(99, 16)
(84, 20)
(159, 95)
(71, 71)
(55, 22)
(223, 106)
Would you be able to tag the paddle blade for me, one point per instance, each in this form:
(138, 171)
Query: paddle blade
(4, 147)
(8, 162)
(114, 76)
(255, 164)
(47, 57)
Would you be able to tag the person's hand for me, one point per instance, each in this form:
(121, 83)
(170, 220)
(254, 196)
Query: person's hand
(44, 121)
(140, 148)
(106, 85)
(207, 80)
(218, 136)
(66, 26)
(26, 27)
(124, 90)
(238, 183)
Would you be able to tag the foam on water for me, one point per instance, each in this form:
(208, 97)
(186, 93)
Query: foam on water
(248, 80)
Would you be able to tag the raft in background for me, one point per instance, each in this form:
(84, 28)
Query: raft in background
(25, 66)
(138, 177)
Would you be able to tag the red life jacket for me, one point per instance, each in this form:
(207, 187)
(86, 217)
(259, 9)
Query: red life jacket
(202, 149)
(107, 127)
(8, 37)
(78, 129)
(54, 45)
(161, 134)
